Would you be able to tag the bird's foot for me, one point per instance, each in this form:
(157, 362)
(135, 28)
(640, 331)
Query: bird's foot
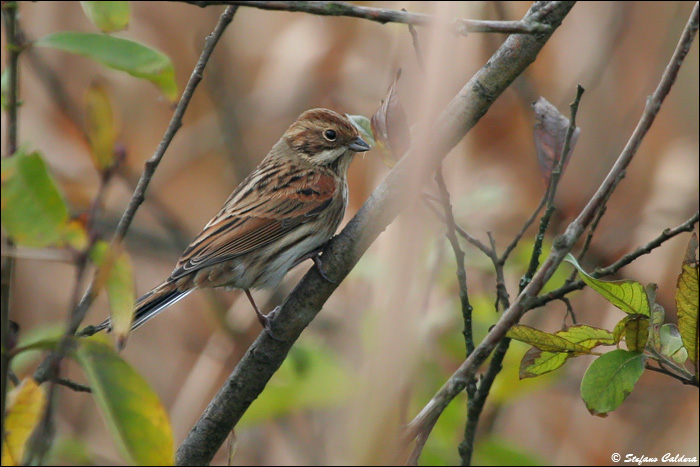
(319, 267)
(266, 320)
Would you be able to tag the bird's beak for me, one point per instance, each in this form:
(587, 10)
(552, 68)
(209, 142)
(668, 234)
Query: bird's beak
(359, 145)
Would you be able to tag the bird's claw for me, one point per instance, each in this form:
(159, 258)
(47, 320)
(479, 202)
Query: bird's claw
(266, 323)
(319, 267)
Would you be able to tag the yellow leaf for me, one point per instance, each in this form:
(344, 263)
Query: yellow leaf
(132, 410)
(25, 406)
(100, 126)
(637, 333)
(687, 302)
(116, 276)
(544, 340)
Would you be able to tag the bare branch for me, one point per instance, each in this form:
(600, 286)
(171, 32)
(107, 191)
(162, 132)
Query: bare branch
(532, 25)
(9, 17)
(557, 294)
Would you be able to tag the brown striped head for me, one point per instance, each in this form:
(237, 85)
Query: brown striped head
(322, 136)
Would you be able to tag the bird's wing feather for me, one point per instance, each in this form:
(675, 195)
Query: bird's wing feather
(246, 223)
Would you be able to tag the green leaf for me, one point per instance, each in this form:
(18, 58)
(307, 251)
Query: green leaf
(637, 333)
(587, 336)
(133, 412)
(619, 331)
(120, 54)
(536, 362)
(672, 344)
(119, 284)
(25, 406)
(629, 296)
(544, 340)
(100, 126)
(687, 302)
(364, 126)
(4, 83)
(610, 379)
(34, 213)
(107, 16)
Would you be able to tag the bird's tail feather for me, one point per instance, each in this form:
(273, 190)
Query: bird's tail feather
(151, 304)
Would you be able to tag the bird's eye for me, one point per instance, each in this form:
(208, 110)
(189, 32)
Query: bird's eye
(330, 135)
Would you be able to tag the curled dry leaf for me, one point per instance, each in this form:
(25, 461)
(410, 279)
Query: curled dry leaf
(550, 137)
(390, 126)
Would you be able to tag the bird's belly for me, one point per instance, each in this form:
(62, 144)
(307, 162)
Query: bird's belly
(264, 268)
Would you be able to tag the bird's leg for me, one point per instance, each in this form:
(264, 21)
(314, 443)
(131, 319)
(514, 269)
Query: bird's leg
(264, 319)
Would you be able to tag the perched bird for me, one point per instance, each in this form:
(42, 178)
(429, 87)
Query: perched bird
(280, 215)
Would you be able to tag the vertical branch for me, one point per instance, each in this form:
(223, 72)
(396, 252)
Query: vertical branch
(9, 17)
(476, 403)
(461, 272)
(13, 45)
(463, 291)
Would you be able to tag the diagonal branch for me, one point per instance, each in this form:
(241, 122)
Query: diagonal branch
(562, 245)
(341, 254)
(529, 25)
(559, 293)
(48, 367)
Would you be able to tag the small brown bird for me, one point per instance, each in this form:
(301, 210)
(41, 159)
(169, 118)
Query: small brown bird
(280, 215)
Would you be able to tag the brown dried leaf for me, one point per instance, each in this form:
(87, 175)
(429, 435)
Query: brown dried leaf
(390, 126)
(550, 137)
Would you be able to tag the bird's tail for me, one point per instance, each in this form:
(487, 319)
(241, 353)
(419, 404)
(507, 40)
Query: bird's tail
(151, 304)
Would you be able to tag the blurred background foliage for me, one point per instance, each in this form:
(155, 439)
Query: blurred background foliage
(366, 365)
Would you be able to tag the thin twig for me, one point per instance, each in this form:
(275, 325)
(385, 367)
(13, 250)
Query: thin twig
(562, 245)
(476, 404)
(594, 225)
(383, 15)
(511, 246)
(416, 46)
(557, 294)
(682, 379)
(467, 236)
(77, 387)
(462, 281)
(461, 271)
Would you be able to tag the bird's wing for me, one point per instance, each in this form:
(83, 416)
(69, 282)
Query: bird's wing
(258, 213)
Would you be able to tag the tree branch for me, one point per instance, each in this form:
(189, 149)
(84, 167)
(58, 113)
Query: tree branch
(531, 25)
(9, 17)
(559, 293)
(562, 245)
(45, 371)
(266, 355)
